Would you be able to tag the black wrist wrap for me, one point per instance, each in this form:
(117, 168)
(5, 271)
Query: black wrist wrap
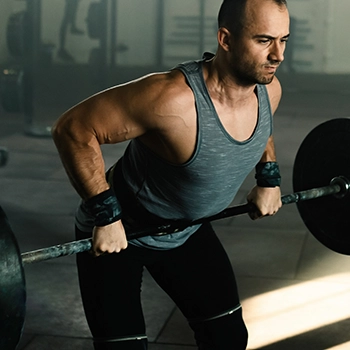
(104, 207)
(268, 174)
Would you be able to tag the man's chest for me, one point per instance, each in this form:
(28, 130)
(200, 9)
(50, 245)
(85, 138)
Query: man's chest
(176, 135)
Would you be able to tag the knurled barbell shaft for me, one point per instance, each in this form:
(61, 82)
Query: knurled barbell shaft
(339, 186)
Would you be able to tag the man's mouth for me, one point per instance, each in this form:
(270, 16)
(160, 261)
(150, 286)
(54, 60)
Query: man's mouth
(271, 68)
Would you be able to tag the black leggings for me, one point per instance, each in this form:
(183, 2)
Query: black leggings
(198, 276)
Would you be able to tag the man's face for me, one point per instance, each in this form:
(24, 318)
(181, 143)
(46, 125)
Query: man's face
(257, 53)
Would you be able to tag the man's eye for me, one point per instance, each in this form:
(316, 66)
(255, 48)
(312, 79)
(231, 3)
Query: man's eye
(264, 41)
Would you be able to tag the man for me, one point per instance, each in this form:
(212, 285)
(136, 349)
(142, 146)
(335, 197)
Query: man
(196, 132)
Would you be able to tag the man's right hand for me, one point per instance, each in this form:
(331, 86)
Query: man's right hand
(109, 239)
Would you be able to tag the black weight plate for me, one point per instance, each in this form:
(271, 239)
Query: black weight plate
(4, 155)
(12, 288)
(323, 155)
(12, 89)
(17, 33)
(95, 20)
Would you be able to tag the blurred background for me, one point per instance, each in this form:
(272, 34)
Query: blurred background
(53, 53)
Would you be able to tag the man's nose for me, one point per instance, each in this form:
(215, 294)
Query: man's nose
(277, 52)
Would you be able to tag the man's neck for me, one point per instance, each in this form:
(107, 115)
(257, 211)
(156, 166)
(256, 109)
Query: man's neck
(223, 84)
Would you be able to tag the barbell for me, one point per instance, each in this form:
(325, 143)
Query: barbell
(321, 185)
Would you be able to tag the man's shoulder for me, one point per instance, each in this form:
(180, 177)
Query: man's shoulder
(166, 87)
(274, 88)
(274, 91)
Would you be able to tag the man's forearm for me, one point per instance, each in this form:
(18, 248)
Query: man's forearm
(269, 154)
(83, 162)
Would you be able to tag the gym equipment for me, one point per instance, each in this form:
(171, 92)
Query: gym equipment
(94, 20)
(325, 151)
(4, 154)
(17, 34)
(321, 164)
(12, 89)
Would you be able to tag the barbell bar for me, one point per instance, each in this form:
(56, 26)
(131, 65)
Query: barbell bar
(339, 186)
(320, 194)
(12, 279)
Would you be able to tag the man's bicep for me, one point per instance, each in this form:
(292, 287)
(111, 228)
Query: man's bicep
(109, 116)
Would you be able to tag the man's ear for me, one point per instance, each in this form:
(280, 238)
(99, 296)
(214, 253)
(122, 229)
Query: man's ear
(224, 39)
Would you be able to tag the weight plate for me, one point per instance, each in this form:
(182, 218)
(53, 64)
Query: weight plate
(4, 154)
(12, 288)
(323, 155)
(12, 89)
(95, 19)
(17, 33)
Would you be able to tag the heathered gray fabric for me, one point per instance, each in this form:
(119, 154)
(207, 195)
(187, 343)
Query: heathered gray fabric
(208, 182)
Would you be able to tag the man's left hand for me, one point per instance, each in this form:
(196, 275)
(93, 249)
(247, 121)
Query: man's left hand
(266, 199)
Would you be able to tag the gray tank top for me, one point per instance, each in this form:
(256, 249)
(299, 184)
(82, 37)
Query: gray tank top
(209, 181)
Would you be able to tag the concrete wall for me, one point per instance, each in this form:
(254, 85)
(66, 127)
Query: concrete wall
(321, 36)
(322, 43)
(78, 46)
(136, 30)
(338, 43)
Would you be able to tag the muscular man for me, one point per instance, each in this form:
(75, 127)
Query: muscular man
(196, 131)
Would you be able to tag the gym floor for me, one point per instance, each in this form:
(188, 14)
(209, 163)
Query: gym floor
(295, 292)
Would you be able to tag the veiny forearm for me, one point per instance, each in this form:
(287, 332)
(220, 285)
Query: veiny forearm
(269, 154)
(112, 116)
(82, 159)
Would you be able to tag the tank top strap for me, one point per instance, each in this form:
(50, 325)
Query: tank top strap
(193, 72)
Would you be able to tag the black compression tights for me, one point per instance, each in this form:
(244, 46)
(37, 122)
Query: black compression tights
(197, 276)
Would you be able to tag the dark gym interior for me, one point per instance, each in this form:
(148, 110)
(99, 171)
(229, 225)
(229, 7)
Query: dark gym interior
(295, 292)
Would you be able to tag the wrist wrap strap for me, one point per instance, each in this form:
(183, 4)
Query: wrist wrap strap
(268, 174)
(104, 207)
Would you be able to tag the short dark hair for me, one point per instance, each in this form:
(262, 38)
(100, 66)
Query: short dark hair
(232, 14)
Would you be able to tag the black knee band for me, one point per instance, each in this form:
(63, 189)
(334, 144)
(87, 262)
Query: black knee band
(223, 314)
(120, 339)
